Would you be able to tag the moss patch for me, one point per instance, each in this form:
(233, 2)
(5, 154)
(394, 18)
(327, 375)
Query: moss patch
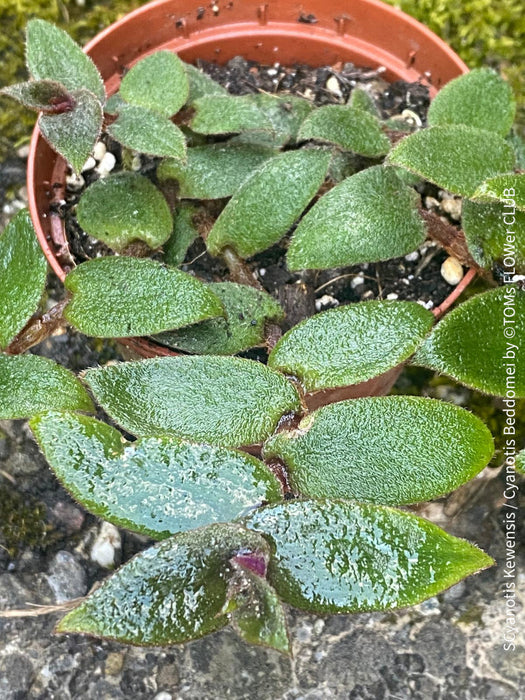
(22, 521)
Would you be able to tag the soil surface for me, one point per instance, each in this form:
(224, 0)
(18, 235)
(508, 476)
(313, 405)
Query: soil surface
(415, 277)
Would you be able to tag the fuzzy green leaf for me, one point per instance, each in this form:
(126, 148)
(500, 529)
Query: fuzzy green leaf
(184, 233)
(337, 557)
(247, 310)
(361, 99)
(23, 271)
(489, 238)
(157, 82)
(201, 85)
(218, 114)
(214, 171)
(268, 203)
(478, 343)
(481, 99)
(258, 616)
(390, 450)
(146, 131)
(120, 297)
(73, 134)
(455, 157)
(352, 343)
(221, 400)
(125, 207)
(368, 217)
(39, 94)
(52, 54)
(30, 384)
(503, 188)
(154, 486)
(286, 114)
(169, 593)
(114, 104)
(347, 127)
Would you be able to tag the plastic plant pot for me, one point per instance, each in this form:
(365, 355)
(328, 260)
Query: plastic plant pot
(321, 32)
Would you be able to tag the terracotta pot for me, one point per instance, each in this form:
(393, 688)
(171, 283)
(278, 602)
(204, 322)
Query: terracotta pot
(321, 32)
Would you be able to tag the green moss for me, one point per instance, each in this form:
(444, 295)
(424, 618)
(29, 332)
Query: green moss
(472, 615)
(482, 32)
(22, 521)
(82, 23)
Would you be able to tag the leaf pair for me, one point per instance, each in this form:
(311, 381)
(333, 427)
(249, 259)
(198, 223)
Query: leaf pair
(464, 145)
(326, 557)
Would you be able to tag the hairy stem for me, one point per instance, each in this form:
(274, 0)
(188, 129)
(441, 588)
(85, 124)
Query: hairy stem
(239, 270)
(449, 238)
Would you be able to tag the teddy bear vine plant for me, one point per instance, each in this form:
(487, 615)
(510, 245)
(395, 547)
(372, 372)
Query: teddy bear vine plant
(310, 520)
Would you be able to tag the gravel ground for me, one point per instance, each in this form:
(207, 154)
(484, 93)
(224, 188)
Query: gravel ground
(448, 648)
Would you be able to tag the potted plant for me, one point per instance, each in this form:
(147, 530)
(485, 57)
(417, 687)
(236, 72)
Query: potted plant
(307, 518)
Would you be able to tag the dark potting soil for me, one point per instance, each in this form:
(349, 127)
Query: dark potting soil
(415, 277)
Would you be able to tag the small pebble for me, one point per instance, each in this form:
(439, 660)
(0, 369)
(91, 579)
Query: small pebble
(89, 164)
(262, 271)
(332, 85)
(99, 151)
(23, 151)
(75, 183)
(412, 257)
(452, 271)
(308, 94)
(452, 207)
(431, 203)
(103, 551)
(136, 163)
(326, 302)
(358, 279)
(412, 118)
(163, 695)
(106, 165)
(426, 304)
(392, 296)
(271, 72)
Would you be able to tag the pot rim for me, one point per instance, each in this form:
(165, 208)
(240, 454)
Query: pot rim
(223, 31)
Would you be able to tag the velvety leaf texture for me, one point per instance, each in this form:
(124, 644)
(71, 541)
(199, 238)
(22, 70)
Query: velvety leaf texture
(361, 99)
(286, 114)
(221, 400)
(38, 94)
(258, 617)
(115, 104)
(389, 450)
(147, 131)
(352, 343)
(218, 114)
(74, 134)
(368, 217)
(489, 237)
(168, 594)
(125, 207)
(52, 54)
(480, 98)
(268, 203)
(350, 128)
(340, 557)
(214, 171)
(23, 270)
(154, 486)
(30, 384)
(157, 82)
(119, 297)
(247, 310)
(503, 188)
(184, 233)
(201, 85)
(476, 342)
(455, 157)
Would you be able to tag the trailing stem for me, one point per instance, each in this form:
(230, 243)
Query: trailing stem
(39, 328)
